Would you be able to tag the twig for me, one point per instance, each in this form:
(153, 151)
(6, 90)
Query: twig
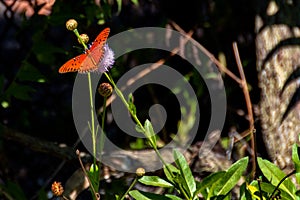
(38, 145)
(97, 196)
(281, 181)
(208, 54)
(244, 85)
(249, 105)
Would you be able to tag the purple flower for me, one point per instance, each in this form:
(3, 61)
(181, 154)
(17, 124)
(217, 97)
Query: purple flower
(107, 61)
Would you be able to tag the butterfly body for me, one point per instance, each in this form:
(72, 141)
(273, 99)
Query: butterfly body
(87, 62)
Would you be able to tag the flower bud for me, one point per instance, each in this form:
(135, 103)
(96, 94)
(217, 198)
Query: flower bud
(140, 171)
(105, 89)
(71, 24)
(84, 38)
(57, 189)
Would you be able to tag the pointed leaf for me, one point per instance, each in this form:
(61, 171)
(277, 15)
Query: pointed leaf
(14, 190)
(187, 177)
(19, 91)
(131, 104)
(135, 2)
(94, 175)
(155, 181)
(268, 188)
(208, 181)
(244, 193)
(173, 169)
(173, 197)
(295, 158)
(119, 3)
(275, 175)
(231, 177)
(150, 133)
(139, 195)
(138, 129)
(29, 73)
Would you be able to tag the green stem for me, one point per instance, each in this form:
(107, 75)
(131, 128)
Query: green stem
(102, 138)
(130, 187)
(120, 94)
(91, 101)
(92, 124)
(79, 38)
(92, 117)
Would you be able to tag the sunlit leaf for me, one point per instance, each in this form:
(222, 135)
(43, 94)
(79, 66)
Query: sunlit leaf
(155, 181)
(275, 175)
(139, 195)
(187, 177)
(208, 181)
(231, 177)
(296, 161)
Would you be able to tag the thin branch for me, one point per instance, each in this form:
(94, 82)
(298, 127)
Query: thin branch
(63, 152)
(208, 54)
(244, 85)
(249, 105)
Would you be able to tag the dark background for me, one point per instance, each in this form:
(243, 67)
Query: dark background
(33, 48)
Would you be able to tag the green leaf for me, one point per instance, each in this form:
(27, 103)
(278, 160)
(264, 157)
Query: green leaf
(187, 177)
(244, 193)
(139, 195)
(150, 133)
(295, 158)
(173, 169)
(19, 91)
(138, 144)
(94, 175)
(208, 181)
(131, 105)
(173, 197)
(119, 3)
(42, 195)
(231, 177)
(275, 175)
(269, 188)
(155, 181)
(139, 129)
(29, 73)
(13, 190)
(135, 2)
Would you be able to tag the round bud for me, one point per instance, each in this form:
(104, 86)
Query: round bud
(84, 38)
(105, 89)
(57, 189)
(71, 24)
(140, 171)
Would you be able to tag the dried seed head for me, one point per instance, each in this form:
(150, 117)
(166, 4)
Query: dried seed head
(71, 24)
(57, 188)
(85, 38)
(105, 89)
(140, 171)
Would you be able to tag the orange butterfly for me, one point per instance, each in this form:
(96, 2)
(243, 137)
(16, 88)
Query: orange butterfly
(88, 61)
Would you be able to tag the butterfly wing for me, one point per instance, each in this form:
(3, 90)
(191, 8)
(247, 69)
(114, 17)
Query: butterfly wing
(100, 39)
(73, 65)
(88, 61)
(95, 53)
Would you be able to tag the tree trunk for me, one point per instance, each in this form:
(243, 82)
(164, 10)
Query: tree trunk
(278, 56)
